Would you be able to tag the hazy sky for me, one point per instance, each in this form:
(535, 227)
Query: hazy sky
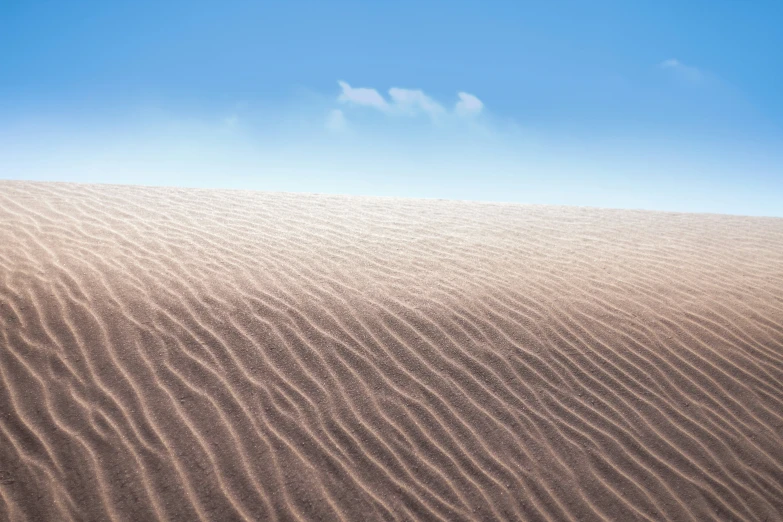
(671, 105)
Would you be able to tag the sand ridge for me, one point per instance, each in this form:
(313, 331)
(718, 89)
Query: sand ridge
(185, 354)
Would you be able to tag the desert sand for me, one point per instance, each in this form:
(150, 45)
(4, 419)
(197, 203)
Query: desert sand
(187, 354)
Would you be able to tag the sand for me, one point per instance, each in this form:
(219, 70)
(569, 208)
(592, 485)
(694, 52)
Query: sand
(184, 354)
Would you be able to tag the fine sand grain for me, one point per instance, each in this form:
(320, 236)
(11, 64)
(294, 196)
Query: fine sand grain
(182, 354)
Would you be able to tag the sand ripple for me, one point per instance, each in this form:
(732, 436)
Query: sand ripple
(184, 354)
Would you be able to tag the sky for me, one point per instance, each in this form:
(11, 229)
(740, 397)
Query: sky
(661, 105)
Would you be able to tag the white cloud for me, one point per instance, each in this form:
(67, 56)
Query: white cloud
(336, 121)
(361, 96)
(405, 102)
(414, 100)
(468, 105)
(686, 72)
(230, 122)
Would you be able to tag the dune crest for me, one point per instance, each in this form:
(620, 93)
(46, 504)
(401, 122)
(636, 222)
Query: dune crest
(184, 354)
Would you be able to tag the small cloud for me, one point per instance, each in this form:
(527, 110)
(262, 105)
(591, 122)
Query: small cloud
(228, 124)
(468, 105)
(336, 121)
(361, 96)
(404, 102)
(686, 72)
(412, 101)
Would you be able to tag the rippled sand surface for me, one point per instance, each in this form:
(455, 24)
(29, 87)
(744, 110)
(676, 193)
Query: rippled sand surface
(182, 354)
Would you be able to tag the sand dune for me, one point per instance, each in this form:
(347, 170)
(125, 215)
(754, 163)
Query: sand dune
(183, 354)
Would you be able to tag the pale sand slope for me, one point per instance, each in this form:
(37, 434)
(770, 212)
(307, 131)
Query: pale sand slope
(223, 355)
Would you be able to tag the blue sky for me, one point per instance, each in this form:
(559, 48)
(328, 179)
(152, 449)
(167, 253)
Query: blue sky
(667, 105)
